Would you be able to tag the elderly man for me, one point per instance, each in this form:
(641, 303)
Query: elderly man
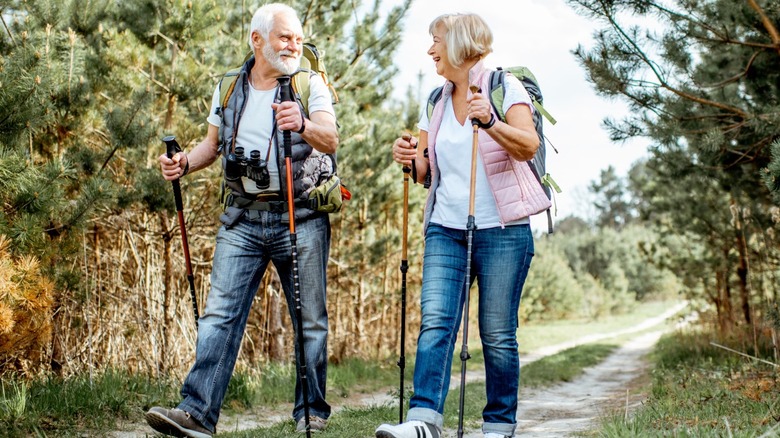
(255, 227)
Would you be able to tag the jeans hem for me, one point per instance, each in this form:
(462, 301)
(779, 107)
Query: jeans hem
(426, 415)
(313, 413)
(499, 428)
(198, 414)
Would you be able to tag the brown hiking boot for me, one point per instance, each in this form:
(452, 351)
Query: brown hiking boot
(175, 422)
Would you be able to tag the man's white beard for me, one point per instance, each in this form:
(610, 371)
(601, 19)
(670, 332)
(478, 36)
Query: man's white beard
(286, 66)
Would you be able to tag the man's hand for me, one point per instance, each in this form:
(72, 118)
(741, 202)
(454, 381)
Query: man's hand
(288, 116)
(173, 168)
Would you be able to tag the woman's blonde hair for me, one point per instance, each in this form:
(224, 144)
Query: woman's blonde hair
(467, 36)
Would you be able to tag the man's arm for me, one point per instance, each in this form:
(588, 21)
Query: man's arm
(321, 132)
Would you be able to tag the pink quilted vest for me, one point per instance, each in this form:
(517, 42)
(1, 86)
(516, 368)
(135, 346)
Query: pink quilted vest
(516, 190)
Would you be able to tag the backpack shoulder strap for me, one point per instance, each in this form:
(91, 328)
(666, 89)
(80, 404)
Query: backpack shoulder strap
(496, 94)
(226, 86)
(433, 98)
(302, 87)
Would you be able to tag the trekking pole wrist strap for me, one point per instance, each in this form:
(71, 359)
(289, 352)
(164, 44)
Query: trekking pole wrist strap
(303, 126)
(489, 124)
(186, 166)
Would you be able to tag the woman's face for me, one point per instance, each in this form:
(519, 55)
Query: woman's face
(438, 52)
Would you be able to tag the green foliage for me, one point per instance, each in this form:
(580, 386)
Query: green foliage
(771, 174)
(704, 89)
(551, 290)
(613, 205)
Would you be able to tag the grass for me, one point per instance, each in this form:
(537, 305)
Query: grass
(272, 384)
(564, 366)
(74, 406)
(700, 391)
(68, 406)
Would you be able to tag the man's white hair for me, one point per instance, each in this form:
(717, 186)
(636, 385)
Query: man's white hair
(263, 20)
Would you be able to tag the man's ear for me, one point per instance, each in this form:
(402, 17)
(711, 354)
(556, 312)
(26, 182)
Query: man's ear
(257, 40)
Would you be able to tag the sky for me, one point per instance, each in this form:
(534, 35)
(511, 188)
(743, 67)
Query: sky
(540, 34)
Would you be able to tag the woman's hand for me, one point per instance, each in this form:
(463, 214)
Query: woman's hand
(479, 107)
(405, 149)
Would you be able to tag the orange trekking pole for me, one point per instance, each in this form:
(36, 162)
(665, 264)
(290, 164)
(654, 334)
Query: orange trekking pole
(285, 95)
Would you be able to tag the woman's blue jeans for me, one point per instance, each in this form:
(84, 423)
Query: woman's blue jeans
(499, 262)
(241, 257)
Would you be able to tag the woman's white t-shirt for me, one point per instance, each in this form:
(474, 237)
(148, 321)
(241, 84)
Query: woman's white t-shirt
(453, 158)
(257, 123)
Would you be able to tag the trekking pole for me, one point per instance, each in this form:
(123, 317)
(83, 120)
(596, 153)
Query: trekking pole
(404, 268)
(470, 228)
(172, 147)
(285, 95)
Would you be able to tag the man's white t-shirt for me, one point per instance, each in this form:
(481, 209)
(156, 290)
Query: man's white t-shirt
(257, 123)
(453, 158)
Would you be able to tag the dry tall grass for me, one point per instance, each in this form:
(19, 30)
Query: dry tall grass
(135, 313)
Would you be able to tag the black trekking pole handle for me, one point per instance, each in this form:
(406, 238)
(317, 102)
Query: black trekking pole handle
(285, 95)
(172, 147)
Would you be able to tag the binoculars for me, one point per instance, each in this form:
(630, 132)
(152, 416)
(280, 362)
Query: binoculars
(254, 168)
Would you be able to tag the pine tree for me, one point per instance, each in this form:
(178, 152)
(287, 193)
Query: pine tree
(704, 88)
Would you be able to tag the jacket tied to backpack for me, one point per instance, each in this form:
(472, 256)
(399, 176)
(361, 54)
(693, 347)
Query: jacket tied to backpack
(309, 166)
(515, 188)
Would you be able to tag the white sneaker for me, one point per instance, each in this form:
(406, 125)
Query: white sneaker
(410, 429)
(495, 435)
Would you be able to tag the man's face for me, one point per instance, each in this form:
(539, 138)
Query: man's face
(284, 47)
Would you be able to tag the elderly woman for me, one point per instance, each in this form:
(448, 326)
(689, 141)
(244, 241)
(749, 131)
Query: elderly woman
(506, 194)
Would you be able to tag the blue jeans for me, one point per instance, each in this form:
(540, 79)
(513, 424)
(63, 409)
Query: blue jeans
(500, 260)
(241, 257)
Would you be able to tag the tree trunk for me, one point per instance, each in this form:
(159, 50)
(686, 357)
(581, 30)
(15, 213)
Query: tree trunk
(742, 266)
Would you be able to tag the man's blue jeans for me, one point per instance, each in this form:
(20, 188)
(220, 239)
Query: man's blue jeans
(500, 261)
(241, 257)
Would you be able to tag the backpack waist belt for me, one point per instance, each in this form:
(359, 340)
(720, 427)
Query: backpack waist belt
(274, 204)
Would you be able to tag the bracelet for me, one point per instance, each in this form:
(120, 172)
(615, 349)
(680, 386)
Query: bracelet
(489, 124)
(303, 125)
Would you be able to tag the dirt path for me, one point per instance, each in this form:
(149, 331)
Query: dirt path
(557, 411)
(572, 407)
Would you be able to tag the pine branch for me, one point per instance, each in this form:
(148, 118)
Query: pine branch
(770, 27)
(7, 30)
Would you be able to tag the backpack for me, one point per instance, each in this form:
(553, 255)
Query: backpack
(496, 96)
(311, 64)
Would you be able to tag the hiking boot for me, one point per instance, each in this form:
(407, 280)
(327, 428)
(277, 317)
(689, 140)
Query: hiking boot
(495, 435)
(175, 422)
(410, 429)
(316, 424)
